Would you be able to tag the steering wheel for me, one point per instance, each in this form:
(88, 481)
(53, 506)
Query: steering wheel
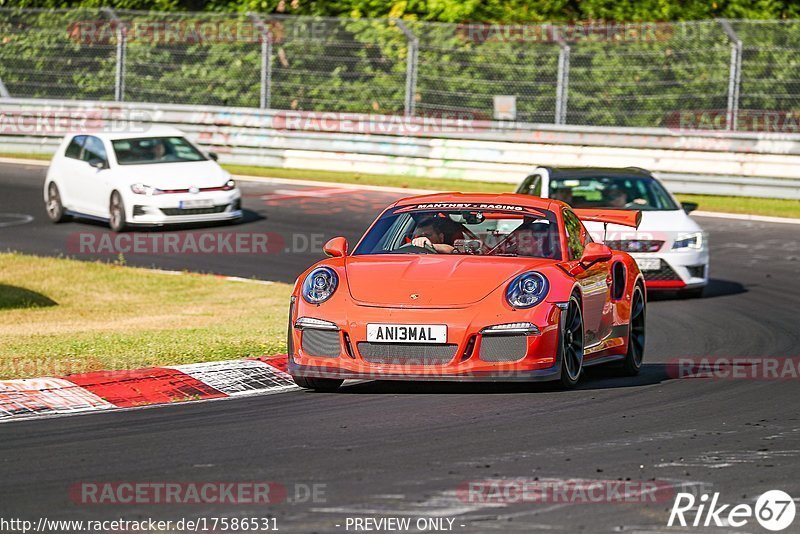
(410, 248)
(637, 203)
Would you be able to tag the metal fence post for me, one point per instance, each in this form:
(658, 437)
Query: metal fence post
(734, 75)
(265, 97)
(411, 68)
(562, 80)
(119, 78)
(3, 90)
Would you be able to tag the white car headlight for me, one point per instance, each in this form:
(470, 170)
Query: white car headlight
(141, 189)
(693, 241)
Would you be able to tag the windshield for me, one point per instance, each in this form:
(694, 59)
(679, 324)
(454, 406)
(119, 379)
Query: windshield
(477, 232)
(155, 150)
(618, 192)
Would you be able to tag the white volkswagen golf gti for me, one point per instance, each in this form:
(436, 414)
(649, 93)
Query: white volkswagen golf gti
(669, 246)
(135, 179)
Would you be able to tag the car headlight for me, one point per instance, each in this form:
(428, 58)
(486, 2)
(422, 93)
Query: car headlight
(692, 240)
(320, 285)
(141, 189)
(527, 290)
(229, 185)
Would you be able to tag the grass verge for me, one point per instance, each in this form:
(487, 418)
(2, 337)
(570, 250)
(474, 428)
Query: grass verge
(61, 316)
(26, 155)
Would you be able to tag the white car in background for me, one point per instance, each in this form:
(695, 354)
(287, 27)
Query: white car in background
(669, 246)
(152, 178)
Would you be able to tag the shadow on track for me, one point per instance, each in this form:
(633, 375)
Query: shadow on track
(601, 377)
(248, 216)
(715, 288)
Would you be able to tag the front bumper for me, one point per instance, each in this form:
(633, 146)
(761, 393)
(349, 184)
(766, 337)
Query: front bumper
(351, 357)
(166, 209)
(681, 269)
(536, 375)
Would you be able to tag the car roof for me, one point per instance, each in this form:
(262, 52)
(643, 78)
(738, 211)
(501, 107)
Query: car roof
(483, 198)
(587, 172)
(145, 131)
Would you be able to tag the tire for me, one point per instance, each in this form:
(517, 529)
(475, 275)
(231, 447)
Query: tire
(636, 335)
(116, 219)
(318, 384)
(55, 209)
(570, 344)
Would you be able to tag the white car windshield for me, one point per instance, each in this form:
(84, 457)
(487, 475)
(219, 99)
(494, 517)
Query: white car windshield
(146, 150)
(613, 192)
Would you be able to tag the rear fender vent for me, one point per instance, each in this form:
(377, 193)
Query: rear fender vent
(618, 280)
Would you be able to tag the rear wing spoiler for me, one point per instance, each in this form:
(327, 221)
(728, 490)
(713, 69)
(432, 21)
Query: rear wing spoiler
(630, 218)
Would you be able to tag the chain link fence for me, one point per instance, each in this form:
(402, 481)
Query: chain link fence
(717, 74)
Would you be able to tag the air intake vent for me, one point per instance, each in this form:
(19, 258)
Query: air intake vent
(321, 343)
(171, 212)
(407, 353)
(503, 348)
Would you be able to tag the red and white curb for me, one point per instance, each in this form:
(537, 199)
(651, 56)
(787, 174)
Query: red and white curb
(31, 398)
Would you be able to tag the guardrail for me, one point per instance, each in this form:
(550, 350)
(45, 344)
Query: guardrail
(739, 164)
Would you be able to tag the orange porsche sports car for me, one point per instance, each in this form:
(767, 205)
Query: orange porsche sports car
(469, 287)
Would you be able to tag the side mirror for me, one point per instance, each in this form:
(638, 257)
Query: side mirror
(689, 207)
(97, 163)
(213, 155)
(336, 247)
(595, 252)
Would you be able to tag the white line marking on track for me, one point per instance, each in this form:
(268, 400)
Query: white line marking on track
(746, 217)
(14, 219)
(285, 194)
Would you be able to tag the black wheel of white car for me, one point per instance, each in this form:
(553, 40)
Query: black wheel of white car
(571, 344)
(636, 335)
(116, 219)
(55, 209)
(318, 384)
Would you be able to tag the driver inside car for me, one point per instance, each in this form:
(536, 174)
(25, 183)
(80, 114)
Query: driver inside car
(432, 233)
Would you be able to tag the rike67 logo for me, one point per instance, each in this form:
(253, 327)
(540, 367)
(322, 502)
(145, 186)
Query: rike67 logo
(774, 510)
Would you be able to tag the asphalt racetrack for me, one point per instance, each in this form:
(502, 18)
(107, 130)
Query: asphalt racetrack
(382, 450)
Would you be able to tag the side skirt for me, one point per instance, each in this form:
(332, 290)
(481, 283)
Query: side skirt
(604, 359)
